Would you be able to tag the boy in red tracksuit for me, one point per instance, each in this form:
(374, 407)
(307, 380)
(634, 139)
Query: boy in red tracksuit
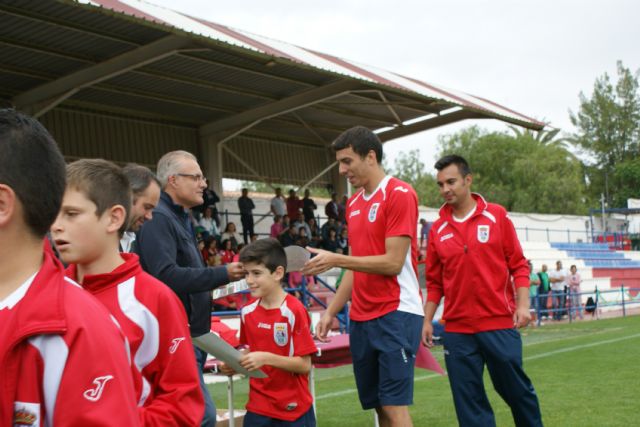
(276, 329)
(472, 254)
(64, 361)
(87, 233)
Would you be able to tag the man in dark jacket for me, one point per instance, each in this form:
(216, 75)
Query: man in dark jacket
(168, 251)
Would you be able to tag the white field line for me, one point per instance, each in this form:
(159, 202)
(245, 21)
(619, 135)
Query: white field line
(536, 356)
(579, 347)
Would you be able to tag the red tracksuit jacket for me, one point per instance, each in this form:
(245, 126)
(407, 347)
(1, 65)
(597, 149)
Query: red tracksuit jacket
(62, 358)
(162, 359)
(471, 264)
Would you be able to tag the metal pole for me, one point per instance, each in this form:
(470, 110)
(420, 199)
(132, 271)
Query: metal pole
(548, 240)
(232, 421)
(624, 311)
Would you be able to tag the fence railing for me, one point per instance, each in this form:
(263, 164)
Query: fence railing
(570, 304)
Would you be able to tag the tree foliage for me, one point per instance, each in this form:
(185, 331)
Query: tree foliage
(524, 172)
(608, 130)
(410, 169)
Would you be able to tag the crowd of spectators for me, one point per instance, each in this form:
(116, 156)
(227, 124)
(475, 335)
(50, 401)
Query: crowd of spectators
(295, 222)
(555, 294)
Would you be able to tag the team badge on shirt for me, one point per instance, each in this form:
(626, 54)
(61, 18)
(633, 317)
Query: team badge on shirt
(373, 212)
(26, 414)
(483, 233)
(280, 334)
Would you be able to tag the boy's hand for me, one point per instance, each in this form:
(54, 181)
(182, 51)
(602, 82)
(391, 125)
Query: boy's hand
(225, 369)
(254, 360)
(235, 271)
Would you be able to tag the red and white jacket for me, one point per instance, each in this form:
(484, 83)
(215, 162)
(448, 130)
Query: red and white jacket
(163, 363)
(63, 358)
(472, 264)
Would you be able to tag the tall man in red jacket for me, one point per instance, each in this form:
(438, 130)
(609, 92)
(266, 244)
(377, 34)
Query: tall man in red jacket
(472, 255)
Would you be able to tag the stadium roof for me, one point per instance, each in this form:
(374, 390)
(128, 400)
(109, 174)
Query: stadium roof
(239, 91)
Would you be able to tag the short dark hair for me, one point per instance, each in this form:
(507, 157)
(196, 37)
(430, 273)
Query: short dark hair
(140, 178)
(32, 165)
(267, 252)
(361, 140)
(454, 159)
(103, 182)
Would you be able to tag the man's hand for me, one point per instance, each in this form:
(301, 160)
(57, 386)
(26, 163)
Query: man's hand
(323, 261)
(226, 369)
(324, 326)
(427, 333)
(521, 317)
(235, 271)
(254, 360)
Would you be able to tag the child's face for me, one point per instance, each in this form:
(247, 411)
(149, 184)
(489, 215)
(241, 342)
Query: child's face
(80, 235)
(261, 281)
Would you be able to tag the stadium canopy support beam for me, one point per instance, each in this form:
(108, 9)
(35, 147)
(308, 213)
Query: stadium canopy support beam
(241, 122)
(43, 98)
(444, 119)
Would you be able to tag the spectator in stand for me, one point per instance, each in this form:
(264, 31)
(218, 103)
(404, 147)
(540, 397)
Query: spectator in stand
(534, 283)
(226, 253)
(286, 222)
(208, 223)
(315, 238)
(303, 237)
(331, 208)
(209, 249)
(558, 279)
(290, 236)
(301, 223)
(543, 291)
(308, 206)
(331, 243)
(294, 204)
(231, 234)
(343, 241)
(210, 199)
(575, 304)
(424, 231)
(324, 230)
(278, 204)
(342, 209)
(276, 227)
(246, 206)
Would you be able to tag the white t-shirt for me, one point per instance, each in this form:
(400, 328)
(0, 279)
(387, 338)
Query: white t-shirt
(556, 274)
(279, 206)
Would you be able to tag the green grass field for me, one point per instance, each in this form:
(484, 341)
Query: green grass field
(585, 373)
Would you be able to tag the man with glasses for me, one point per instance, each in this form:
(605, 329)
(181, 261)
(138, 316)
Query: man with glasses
(168, 250)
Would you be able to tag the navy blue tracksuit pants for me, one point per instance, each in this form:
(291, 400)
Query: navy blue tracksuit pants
(501, 351)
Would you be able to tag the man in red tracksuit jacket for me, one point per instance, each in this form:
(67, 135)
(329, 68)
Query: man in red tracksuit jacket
(63, 361)
(472, 255)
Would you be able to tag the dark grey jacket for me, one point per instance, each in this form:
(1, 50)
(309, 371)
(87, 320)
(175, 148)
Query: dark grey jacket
(168, 251)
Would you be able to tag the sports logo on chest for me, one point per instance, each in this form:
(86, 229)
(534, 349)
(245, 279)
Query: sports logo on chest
(280, 334)
(373, 212)
(483, 233)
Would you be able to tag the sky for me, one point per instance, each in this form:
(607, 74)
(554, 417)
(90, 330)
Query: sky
(534, 57)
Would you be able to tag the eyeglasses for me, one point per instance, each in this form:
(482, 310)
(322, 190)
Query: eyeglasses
(194, 176)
